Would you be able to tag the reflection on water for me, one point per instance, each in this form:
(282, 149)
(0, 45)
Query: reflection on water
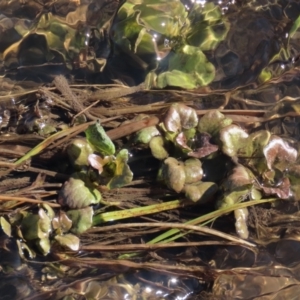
(40, 39)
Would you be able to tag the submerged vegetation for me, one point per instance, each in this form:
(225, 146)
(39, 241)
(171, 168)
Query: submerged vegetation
(177, 177)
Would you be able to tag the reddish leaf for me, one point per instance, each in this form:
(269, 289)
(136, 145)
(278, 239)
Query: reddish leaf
(204, 151)
(96, 162)
(282, 191)
(279, 152)
(182, 141)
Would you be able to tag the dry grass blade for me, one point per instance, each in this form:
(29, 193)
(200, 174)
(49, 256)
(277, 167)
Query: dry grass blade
(136, 247)
(26, 200)
(201, 229)
(187, 271)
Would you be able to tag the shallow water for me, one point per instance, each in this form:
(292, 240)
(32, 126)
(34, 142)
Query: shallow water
(41, 39)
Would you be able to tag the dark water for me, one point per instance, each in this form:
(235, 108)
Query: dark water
(41, 39)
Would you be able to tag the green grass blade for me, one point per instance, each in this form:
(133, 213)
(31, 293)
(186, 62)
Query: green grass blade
(135, 212)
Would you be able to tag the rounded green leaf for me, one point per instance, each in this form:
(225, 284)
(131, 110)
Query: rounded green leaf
(145, 135)
(99, 140)
(36, 226)
(6, 227)
(173, 173)
(158, 147)
(200, 191)
(78, 192)
(82, 219)
(236, 142)
(212, 122)
(193, 170)
(180, 116)
(122, 174)
(69, 241)
(43, 245)
(61, 222)
(188, 68)
(78, 152)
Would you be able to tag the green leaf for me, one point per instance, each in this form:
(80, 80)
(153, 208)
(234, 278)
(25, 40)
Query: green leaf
(164, 17)
(208, 27)
(145, 135)
(173, 173)
(6, 227)
(295, 27)
(212, 122)
(61, 222)
(43, 245)
(36, 226)
(99, 140)
(69, 241)
(188, 69)
(193, 170)
(236, 142)
(158, 147)
(176, 78)
(180, 116)
(78, 192)
(78, 152)
(123, 174)
(82, 219)
(200, 191)
(237, 187)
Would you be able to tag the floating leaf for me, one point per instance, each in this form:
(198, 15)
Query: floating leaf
(158, 147)
(235, 142)
(204, 151)
(43, 245)
(61, 222)
(49, 210)
(282, 190)
(78, 152)
(259, 140)
(123, 174)
(82, 219)
(153, 13)
(180, 116)
(36, 226)
(99, 140)
(200, 191)
(209, 30)
(212, 122)
(203, 146)
(6, 227)
(189, 133)
(69, 241)
(193, 170)
(96, 162)
(181, 142)
(240, 177)
(78, 192)
(145, 135)
(173, 173)
(279, 153)
(237, 187)
(23, 247)
(188, 68)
